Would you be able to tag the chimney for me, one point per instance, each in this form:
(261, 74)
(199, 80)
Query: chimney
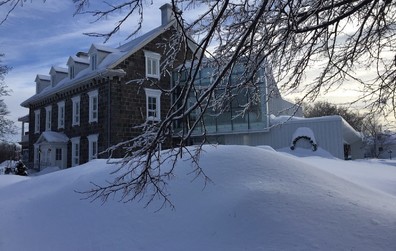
(81, 54)
(166, 14)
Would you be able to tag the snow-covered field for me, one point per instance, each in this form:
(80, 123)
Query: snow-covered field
(260, 199)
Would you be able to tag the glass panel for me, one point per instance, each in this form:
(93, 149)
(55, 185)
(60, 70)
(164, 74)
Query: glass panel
(155, 71)
(58, 154)
(152, 107)
(206, 76)
(94, 107)
(77, 112)
(149, 68)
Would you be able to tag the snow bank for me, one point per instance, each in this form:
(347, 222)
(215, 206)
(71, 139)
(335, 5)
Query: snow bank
(259, 200)
(373, 174)
(302, 152)
(6, 180)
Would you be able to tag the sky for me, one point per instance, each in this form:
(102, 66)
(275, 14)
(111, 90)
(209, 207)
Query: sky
(39, 35)
(258, 199)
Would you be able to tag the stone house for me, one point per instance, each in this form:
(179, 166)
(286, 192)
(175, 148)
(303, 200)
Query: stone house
(98, 100)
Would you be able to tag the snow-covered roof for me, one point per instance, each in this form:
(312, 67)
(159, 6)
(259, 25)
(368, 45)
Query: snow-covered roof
(105, 68)
(304, 132)
(76, 59)
(43, 77)
(24, 118)
(101, 47)
(52, 137)
(127, 49)
(58, 69)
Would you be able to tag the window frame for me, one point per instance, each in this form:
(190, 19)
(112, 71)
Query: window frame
(53, 80)
(94, 61)
(152, 59)
(48, 118)
(71, 72)
(37, 121)
(75, 154)
(156, 94)
(92, 96)
(61, 114)
(76, 118)
(92, 146)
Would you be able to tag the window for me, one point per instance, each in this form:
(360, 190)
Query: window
(93, 146)
(53, 80)
(152, 64)
(93, 106)
(75, 151)
(58, 154)
(71, 72)
(76, 111)
(94, 61)
(61, 114)
(37, 121)
(153, 111)
(194, 113)
(48, 118)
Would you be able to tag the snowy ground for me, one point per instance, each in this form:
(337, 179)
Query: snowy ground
(260, 199)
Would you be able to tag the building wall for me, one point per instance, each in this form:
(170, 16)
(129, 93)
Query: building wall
(84, 129)
(328, 135)
(128, 98)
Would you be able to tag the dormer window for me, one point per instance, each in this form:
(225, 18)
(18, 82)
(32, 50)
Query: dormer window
(152, 64)
(71, 72)
(94, 61)
(57, 74)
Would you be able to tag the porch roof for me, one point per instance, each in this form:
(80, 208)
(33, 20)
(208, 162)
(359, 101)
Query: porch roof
(52, 137)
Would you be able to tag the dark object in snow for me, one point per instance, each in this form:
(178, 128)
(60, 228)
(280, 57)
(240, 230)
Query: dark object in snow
(20, 169)
(7, 170)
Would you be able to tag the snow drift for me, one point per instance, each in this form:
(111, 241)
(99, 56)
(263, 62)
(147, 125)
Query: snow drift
(259, 200)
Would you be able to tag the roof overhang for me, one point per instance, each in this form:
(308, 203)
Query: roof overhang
(52, 137)
(24, 119)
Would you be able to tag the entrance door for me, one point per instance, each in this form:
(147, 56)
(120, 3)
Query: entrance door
(347, 151)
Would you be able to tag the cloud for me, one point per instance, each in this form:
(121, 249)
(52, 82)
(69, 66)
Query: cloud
(33, 10)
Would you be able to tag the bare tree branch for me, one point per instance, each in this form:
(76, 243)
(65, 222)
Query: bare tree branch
(240, 45)
(287, 37)
(11, 5)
